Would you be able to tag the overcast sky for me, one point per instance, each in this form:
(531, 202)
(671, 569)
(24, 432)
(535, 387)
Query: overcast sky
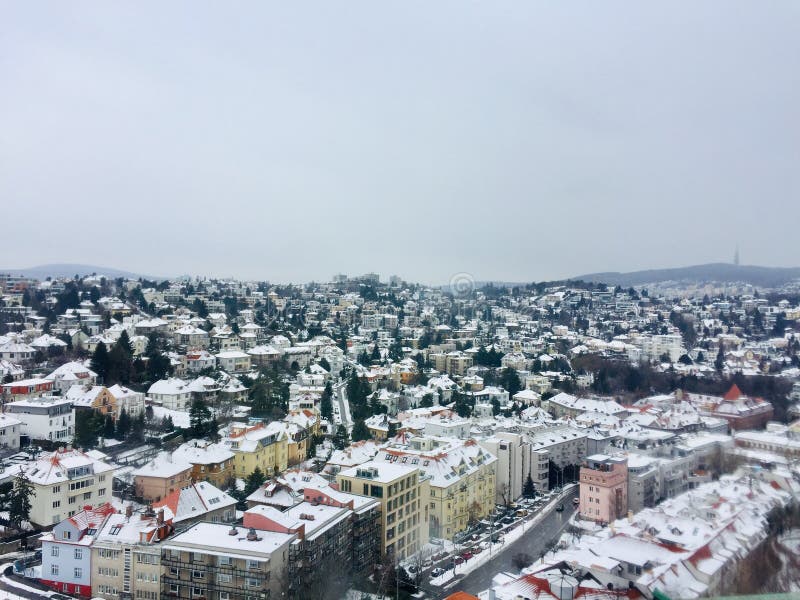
(290, 141)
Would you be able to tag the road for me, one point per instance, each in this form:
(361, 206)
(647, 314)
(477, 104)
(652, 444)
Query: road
(533, 542)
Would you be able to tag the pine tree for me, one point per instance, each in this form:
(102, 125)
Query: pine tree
(19, 501)
(99, 363)
(199, 418)
(360, 431)
(123, 425)
(254, 481)
(325, 403)
(719, 362)
(341, 440)
(528, 489)
(108, 427)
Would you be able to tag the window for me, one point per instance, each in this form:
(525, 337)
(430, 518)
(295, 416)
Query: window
(78, 553)
(224, 596)
(54, 551)
(224, 578)
(87, 495)
(198, 574)
(66, 535)
(56, 489)
(53, 569)
(78, 572)
(115, 530)
(225, 561)
(101, 492)
(253, 564)
(198, 592)
(253, 582)
(173, 589)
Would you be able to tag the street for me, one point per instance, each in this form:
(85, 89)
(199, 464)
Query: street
(533, 542)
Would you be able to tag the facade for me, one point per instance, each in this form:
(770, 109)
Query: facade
(258, 446)
(219, 562)
(65, 482)
(27, 388)
(66, 551)
(461, 476)
(10, 429)
(210, 462)
(160, 477)
(46, 418)
(604, 488)
(404, 498)
(126, 557)
(172, 393)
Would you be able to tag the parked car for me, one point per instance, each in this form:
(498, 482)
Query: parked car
(497, 538)
(458, 560)
(560, 508)
(576, 501)
(466, 555)
(477, 549)
(412, 569)
(437, 572)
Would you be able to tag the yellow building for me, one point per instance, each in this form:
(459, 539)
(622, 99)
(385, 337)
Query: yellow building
(301, 426)
(461, 475)
(262, 446)
(403, 494)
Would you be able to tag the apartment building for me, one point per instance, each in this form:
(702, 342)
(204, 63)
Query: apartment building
(213, 561)
(262, 446)
(10, 429)
(65, 482)
(461, 476)
(44, 418)
(66, 551)
(126, 556)
(604, 488)
(161, 476)
(210, 462)
(199, 502)
(404, 497)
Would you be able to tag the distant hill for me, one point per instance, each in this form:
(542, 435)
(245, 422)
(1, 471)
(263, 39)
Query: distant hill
(69, 270)
(718, 272)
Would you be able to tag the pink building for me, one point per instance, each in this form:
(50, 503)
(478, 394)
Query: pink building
(604, 488)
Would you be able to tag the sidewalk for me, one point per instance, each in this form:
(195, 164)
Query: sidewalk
(510, 536)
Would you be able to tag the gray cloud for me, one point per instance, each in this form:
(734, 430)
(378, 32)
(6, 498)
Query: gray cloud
(517, 140)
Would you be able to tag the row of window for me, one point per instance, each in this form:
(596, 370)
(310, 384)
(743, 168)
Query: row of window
(77, 573)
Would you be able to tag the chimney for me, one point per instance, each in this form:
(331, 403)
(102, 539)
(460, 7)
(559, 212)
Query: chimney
(129, 511)
(233, 531)
(160, 516)
(252, 536)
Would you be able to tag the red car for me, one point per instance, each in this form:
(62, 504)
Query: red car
(458, 560)
(466, 555)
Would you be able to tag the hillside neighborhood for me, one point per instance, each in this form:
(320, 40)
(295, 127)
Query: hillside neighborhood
(219, 439)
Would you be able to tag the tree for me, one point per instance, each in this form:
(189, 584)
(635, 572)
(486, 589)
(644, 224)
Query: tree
(427, 401)
(719, 362)
(341, 440)
(254, 481)
(360, 431)
(99, 363)
(528, 489)
(88, 427)
(510, 381)
(325, 404)
(123, 425)
(19, 500)
(200, 418)
(108, 427)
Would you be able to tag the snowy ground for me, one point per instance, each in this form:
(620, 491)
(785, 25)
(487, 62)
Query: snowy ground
(510, 536)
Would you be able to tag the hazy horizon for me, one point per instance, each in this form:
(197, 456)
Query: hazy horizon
(521, 141)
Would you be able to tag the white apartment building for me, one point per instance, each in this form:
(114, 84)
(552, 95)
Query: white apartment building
(65, 482)
(44, 418)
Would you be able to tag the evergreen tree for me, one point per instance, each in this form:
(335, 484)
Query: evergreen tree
(19, 501)
(108, 427)
(123, 425)
(88, 427)
(341, 440)
(254, 481)
(199, 418)
(528, 489)
(510, 381)
(99, 363)
(360, 431)
(137, 428)
(325, 403)
(719, 362)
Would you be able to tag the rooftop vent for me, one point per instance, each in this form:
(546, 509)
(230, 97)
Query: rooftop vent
(252, 536)
(233, 531)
